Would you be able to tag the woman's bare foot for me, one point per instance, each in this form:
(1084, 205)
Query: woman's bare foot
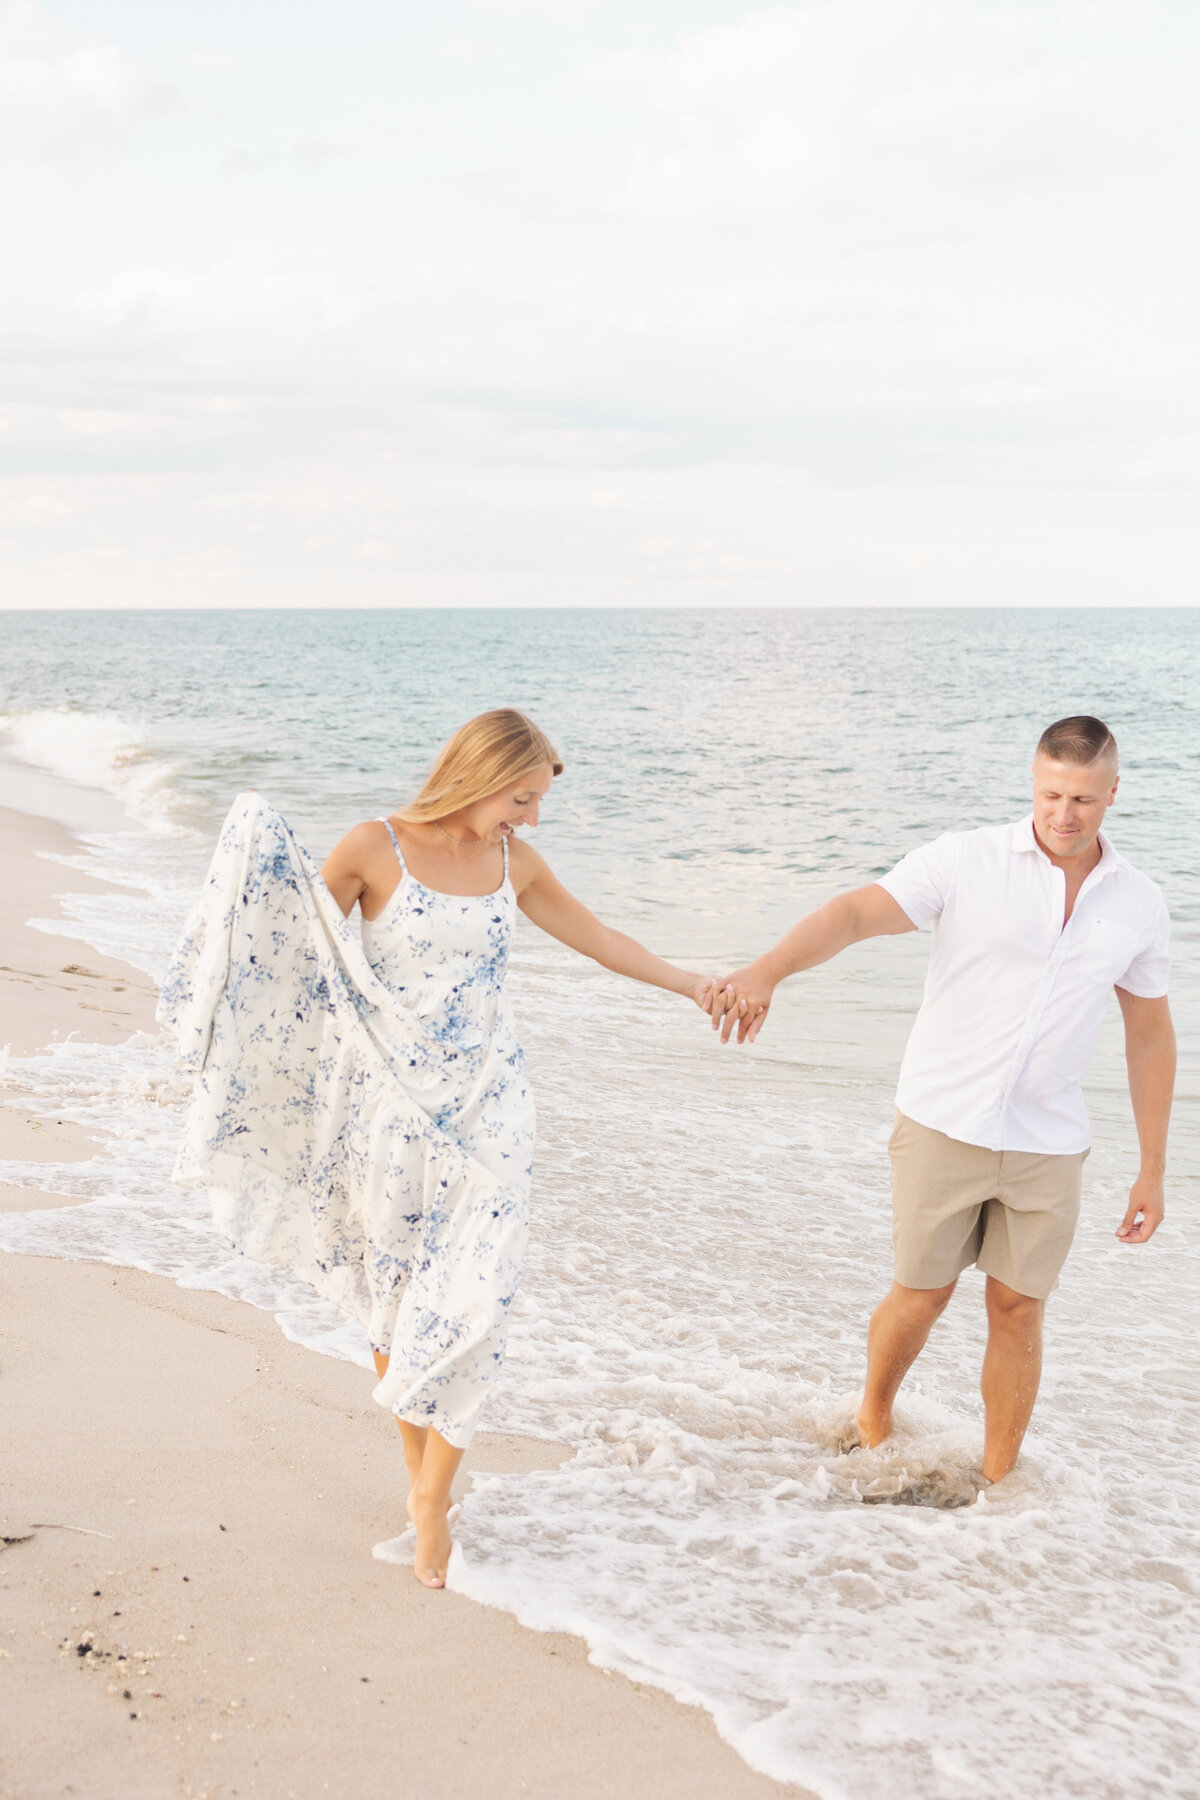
(400, 1549)
(434, 1542)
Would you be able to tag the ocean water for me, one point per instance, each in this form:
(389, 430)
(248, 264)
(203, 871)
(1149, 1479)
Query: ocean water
(711, 1225)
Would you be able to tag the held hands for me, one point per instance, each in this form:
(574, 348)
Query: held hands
(1144, 1214)
(709, 993)
(742, 1000)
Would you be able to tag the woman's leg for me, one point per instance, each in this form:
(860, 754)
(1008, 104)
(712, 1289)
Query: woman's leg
(413, 1436)
(428, 1504)
(431, 1464)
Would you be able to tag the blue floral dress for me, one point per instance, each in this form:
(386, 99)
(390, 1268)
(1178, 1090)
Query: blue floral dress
(360, 1113)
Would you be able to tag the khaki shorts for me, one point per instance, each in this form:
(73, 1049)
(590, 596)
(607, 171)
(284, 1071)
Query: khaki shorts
(1011, 1212)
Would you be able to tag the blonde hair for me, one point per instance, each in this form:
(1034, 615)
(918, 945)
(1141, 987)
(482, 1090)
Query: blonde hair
(484, 755)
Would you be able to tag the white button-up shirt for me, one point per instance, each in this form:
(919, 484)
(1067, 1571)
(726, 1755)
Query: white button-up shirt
(1013, 999)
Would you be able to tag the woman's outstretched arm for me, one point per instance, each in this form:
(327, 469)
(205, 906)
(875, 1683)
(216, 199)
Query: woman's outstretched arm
(544, 900)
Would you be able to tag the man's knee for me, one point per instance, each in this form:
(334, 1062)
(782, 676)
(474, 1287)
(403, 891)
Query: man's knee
(1006, 1307)
(922, 1302)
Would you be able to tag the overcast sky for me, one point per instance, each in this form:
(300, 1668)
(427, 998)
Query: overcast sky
(853, 302)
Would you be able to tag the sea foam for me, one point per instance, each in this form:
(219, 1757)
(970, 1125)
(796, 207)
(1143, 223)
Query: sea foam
(691, 1325)
(105, 751)
(710, 1227)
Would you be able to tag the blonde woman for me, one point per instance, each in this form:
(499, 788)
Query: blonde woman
(361, 1114)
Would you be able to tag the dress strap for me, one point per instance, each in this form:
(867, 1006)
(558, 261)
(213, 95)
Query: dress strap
(504, 847)
(400, 853)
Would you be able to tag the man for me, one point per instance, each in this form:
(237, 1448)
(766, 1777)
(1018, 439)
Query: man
(1033, 923)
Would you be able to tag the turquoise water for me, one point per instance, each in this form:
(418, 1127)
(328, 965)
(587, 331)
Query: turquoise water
(711, 1226)
(719, 766)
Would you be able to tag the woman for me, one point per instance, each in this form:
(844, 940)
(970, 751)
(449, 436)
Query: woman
(361, 1113)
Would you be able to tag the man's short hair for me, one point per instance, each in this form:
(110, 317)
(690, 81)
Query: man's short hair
(1078, 740)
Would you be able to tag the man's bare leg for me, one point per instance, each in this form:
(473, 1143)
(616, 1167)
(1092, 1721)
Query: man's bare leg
(899, 1327)
(1012, 1369)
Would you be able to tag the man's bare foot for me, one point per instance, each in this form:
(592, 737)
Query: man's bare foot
(865, 1432)
(434, 1542)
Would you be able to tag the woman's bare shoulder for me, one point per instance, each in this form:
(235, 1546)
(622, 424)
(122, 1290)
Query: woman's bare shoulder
(525, 864)
(365, 841)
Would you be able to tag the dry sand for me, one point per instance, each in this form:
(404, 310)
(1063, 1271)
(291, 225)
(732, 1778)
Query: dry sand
(188, 1604)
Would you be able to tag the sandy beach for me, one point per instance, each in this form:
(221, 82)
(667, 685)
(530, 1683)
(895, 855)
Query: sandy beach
(188, 1603)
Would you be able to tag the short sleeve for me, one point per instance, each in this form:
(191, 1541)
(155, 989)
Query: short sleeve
(1147, 974)
(920, 882)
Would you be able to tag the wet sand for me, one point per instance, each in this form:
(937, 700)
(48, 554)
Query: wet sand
(188, 1603)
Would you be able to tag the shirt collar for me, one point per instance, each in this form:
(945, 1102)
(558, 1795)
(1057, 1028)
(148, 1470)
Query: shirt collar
(1024, 839)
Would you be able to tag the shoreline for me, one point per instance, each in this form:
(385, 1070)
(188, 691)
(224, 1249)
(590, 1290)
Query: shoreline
(189, 1604)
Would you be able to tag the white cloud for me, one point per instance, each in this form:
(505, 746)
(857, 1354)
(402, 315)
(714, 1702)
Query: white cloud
(264, 394)
(1004, 395)
(26, 31)
(871, 120)
(559, 10)
(258, 303)
(68, 105)
(313, 152)
(244, 161)
(425, 531)
(272, 353)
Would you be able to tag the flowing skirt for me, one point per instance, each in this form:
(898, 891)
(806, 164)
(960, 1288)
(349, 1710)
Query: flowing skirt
(337, 1138)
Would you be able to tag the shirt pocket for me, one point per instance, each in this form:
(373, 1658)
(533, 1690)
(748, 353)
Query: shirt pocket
(1107, 951)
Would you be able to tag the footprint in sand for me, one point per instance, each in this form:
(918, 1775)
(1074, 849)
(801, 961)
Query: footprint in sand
(937, 1487)
(879, 1478)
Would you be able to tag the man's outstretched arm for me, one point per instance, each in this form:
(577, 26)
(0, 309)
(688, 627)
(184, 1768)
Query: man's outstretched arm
(1150, 1060)
(744, 998)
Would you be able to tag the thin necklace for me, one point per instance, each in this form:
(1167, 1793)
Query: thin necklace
(461, 842)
